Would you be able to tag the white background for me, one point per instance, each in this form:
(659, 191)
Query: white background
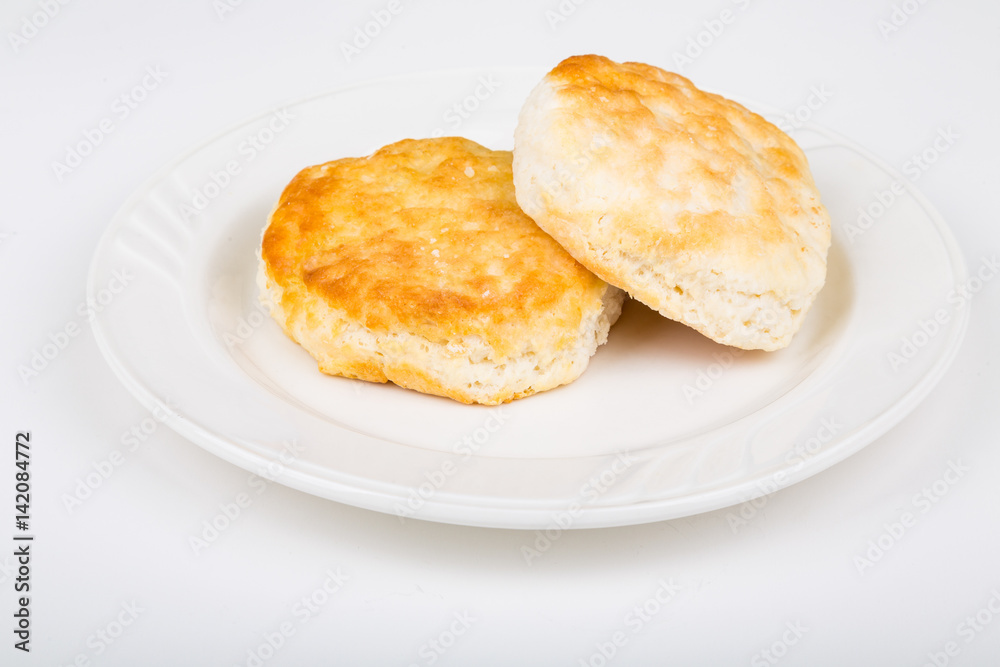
(739, 590)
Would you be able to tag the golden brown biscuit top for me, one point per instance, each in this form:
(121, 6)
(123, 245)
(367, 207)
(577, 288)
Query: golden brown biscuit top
(731, 189)
(425, 236)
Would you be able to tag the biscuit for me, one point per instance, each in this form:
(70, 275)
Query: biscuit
(696, 206)
(415, 265)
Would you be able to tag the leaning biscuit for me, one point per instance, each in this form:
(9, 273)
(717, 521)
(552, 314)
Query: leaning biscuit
(697, 207)
(415, 265)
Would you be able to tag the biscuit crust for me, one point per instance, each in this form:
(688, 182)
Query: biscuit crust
(416, 265)
(696, 206)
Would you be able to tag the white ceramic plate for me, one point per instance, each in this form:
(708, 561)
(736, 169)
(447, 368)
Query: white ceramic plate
(663, 424)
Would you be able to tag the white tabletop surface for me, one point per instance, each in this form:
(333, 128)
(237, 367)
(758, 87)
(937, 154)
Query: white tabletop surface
(114, 579)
